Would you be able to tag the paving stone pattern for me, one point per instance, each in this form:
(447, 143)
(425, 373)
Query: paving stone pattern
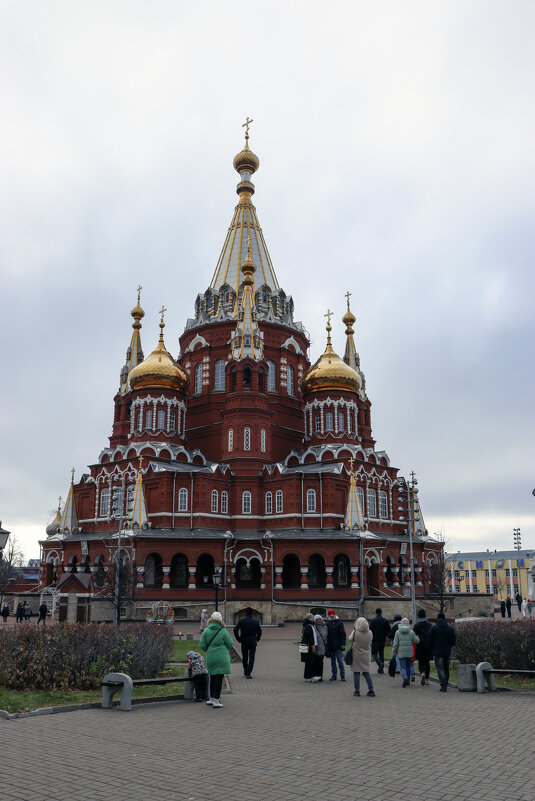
(279, 738)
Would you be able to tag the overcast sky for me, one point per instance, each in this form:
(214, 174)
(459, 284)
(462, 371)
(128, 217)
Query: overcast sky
(396, 162)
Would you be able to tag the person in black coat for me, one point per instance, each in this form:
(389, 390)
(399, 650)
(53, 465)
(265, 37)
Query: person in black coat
(502, 607)
(309, 637)
(380, 629)
(336, 642)
(508, 605)
(441, 641)
(248, 632)
(423, 652)
(518, 599)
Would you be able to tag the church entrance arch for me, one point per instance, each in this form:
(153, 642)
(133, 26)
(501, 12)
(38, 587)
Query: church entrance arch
(291, 572)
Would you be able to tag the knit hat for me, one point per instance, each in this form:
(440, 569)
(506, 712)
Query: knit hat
(317, 617)
(219, 617)
(405, 621)
(191, 653)
(331, 612)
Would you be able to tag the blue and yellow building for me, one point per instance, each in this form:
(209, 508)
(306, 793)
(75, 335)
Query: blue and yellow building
(497, 573)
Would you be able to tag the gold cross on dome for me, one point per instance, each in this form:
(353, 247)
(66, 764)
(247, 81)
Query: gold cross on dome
(246, 126)
(413, 476)
(140, 461)
(72, 479)
(162, 310)
(59, 501)
(347, 296)
(139, 292)
(328, 316)
(351, 463)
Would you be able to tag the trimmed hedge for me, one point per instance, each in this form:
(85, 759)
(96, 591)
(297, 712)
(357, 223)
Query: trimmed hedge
(505, 645)
(66, 656)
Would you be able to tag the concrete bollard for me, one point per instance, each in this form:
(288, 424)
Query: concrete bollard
(466, 678)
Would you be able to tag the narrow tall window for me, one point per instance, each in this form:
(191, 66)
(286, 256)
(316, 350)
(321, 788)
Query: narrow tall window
(161, 419)
(340, 421)
(317, 422)
(183, 500)
(271, 385)
(263, 440)
(383, 504)
(246, 438)
(219, 375)
(172, 420)
(105, 503)
(372, 503)
(224, 503)
(278, 502)
(230, 439)
(148, 418)
(269, 503)
(290, 379)
(198, 379)
(246, 503)
(360, 493)
(311, 500)
(329, 421)
(214, 501)
(130, 498)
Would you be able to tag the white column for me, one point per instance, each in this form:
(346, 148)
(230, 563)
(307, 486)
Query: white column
(329, 583)
(165, 584)
(140, 572)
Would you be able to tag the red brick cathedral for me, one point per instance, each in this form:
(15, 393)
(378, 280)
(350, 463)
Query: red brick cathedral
(239, 455)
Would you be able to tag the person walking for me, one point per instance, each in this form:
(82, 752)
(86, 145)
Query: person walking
(27, 611)
(423, 653)
(508, 606)
(502, 607)
(524, 607)
(380, 629)
(322, 649)
(43, 611)
(336, 642)
(248, 632)
(309, 639)
(5, 612)
(217, 644)
(204, 621)
(530, 607)
(518, 599)
(360, 639)
(441, 641)
(403, 647)
(19, 614)
(395, 625)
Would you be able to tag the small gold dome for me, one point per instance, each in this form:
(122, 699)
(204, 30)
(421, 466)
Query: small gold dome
(349, 318)
(330, 372)
(246, 160)
(158, 371)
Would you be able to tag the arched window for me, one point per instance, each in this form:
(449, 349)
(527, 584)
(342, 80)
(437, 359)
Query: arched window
(214, 501)
(341, 571)
(317, 422)
(278, 502)
(224, 503)
(329, 421)
(182, 500)
(148, 418)
(230, 439)
(198, 379)
(246, 503)
(383, 504)
(179, 573)
(271, 384)
(269, 503)
(161, 419)
(290, 379)
(360, 494)
(248, 575)
(74, 563)
(291, 572)
(153, 573)
(130, 498)
(246, 438)
(316, 575)
(372, 503)
(204, 571)
(105, 502)
(219, 374)
(263, 440)
(311, 500)
(247, 373)
(340, 421)
(172, 420)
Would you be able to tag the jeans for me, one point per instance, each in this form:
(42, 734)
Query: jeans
(442, 664)
(406, 666)
(216, 683)
(338, 656)
(378, 654)
(248, 652)
(356, 681)
(424, 667)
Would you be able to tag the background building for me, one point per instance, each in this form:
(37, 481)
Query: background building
(497, 573)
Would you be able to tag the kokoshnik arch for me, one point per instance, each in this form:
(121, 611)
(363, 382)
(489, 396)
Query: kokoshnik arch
(239, 453)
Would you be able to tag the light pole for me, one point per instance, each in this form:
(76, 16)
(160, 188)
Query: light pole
(216, 583)
(413, 492)
(517, 540)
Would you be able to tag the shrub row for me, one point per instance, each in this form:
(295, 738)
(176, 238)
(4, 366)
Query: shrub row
(65, 656)
(508, 644)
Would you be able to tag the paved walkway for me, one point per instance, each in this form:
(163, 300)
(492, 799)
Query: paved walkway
(278, 738)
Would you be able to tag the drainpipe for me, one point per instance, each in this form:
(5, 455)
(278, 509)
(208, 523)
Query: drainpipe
(321, 501)
(191, 504)
(302, 510)
(173, 512)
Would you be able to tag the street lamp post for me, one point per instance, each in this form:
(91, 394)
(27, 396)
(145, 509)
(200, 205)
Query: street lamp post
(413, 491)
(517, 540)
(216, 583)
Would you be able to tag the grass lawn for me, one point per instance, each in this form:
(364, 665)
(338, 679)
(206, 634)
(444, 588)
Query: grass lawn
(181, 648)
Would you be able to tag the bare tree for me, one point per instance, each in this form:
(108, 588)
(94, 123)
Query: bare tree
(11, 558)
(121, 578)
(437, 575)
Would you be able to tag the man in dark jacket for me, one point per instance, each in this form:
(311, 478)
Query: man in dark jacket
(508, 605)
(423, 654)
(518, 599)
(248, 632)
(441, 641)
(380, 629)
(336, 642)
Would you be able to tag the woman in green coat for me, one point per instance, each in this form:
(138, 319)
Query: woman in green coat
(217, 643)
(403, 647)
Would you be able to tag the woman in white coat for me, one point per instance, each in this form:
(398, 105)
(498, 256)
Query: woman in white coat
(360, 639)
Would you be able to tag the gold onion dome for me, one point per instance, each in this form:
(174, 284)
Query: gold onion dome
(159, 370)
(55, 525)
(330, 372)
(137, 312)
(246, 160)
(349, 318)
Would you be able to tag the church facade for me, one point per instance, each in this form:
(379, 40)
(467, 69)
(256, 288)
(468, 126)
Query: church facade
(239, 459)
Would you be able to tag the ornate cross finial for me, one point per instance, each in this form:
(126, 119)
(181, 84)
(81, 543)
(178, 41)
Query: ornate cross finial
(413, 476)
(246, 126)
(351, 463)
(72, 479)
(162, 310)
(347, 296)
(59, 502)
(140, 461)
(139, 292)
(328, 316)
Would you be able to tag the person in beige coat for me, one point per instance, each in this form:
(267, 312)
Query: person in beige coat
(360, 639)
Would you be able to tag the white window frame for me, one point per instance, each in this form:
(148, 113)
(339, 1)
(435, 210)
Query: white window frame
(269, 503)
(317, 422)
(219, 375)
(246, 502)
(311, 500)
(263, 440)
(383, 504)
(224, 502)
(230, 447)
(341, 421)
(279, 502)
(247, 438)
(214, 505)
(148, 419)
(105, 502)
(172, 420)
(372, 503)
(160, 416)
(198, 379)
(360, 496)
(329, 421)
(290, 380)
(271, 377)
(182, 499)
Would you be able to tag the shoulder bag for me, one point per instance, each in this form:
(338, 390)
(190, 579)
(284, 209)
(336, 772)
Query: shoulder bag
(348, 658)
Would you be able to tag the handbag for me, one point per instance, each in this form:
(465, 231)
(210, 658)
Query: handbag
(392, 667)
(348, 658)
(303, 649)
